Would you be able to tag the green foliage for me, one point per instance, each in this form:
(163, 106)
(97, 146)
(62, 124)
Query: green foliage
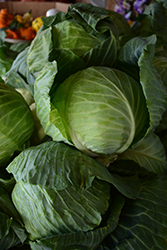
(92, 174)
(16, 123)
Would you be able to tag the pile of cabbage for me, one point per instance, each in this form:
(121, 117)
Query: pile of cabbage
(83, 134)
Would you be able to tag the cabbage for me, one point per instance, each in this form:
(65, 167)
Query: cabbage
(74, 44)
(16, 123)
(59, 190)
(72, 76)
(100, 97)
(72, 110)
(103, 109)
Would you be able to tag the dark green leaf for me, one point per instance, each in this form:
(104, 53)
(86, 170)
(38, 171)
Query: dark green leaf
(143, 222)
(7, 57)
(68, 63)
(5, 223)
(7, 236)
(6, 205)
(159, 20)
(52, 20)
(100, 56)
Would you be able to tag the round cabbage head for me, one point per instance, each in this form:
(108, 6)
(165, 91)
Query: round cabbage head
(16, 122)
(103, 110)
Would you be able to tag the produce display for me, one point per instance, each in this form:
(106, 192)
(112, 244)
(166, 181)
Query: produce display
(19, 26)
(83, 133)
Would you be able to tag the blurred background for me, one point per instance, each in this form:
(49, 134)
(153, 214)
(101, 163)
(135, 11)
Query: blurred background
(129, 8)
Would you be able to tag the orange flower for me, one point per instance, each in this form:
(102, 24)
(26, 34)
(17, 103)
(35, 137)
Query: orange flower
(5, 18)
(14, 34)
(27, 33)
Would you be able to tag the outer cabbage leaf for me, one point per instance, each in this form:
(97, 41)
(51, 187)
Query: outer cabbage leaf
(67, 62)
(139, 53)
(128, 167)
(60, 191)
(65, 195)
(42, 87)
(27, 95)
(158, 13)
(52, 20)
(68, 32)
(100, 56)
(8, 238)
(19, 46)
(2, 37)
(11, 231)
(121, 23)
(149, 153)
(15, 80)
(129, 55)
(141, 26)
(5, 225)
(69, 35)
(143, 222)
(6, 205)
(19, 76)
(38, 52)
(107, 18)
(84, 240)
(69, 210)
(32, 166)
(160, 63)
(153, 88)
(7, 57)
(152, 21)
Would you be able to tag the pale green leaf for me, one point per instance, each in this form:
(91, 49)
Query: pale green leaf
(37, 55)
(42, 98)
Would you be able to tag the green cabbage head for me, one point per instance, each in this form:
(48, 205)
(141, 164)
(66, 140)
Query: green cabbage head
(16, 122)
(100, 110)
